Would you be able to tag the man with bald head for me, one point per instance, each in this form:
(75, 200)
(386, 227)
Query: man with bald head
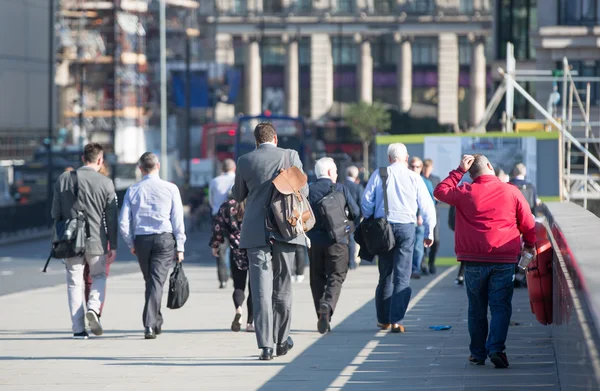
(152, 225)
(405, 192)
(491, 217)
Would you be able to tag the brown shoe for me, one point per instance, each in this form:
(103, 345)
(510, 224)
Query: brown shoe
(397, 328)
(384, 326)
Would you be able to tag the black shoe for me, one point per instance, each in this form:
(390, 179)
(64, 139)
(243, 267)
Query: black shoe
(285, 347)
(149, 333)
(236, 325)
(432, 269)
(499, 359)
(223, 285)
(158, 330)
(476, 361)
(266, 354)
(459, 280)
(82, 335)
(323, 322)
(424, 271)
(415, 276)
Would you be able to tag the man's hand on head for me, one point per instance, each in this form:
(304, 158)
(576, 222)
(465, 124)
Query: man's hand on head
(467, 162)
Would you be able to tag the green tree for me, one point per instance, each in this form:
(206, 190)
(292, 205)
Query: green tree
(366, 120)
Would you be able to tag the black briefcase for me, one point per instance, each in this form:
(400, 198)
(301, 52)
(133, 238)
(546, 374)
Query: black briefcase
(377, 235)
(179, 288)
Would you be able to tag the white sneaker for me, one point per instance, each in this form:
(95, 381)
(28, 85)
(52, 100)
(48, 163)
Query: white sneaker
(300, 278)
(294, 278)
(94, 321)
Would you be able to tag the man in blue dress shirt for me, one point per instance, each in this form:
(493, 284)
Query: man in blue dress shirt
(406, 193)
(152, 225)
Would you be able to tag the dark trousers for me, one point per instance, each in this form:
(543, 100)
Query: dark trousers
(393, 290)
(489, 284)
(155, 254)
(328, 270)
(239, 286)
(300, 260)
(431, 252)
(222, 268)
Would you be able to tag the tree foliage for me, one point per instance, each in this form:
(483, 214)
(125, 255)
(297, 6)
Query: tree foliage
(366, 120)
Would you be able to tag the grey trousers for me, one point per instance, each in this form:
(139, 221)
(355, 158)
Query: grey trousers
(155, 254)
(75, 287)
(271, 283)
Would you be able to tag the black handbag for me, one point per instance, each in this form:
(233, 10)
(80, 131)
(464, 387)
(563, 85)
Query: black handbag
(179, 288)
(377, 233)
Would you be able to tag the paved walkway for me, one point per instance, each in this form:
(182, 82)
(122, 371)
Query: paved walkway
(197, 351)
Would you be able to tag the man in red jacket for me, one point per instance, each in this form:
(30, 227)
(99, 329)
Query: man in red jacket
(491, 216)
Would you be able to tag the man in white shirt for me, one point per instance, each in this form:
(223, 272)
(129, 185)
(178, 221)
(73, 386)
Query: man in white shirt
(218, 193)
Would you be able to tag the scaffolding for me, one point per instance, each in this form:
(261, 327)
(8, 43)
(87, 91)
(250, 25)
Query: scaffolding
(579, 136)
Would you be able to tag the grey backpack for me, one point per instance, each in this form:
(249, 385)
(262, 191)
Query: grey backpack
(289, 212)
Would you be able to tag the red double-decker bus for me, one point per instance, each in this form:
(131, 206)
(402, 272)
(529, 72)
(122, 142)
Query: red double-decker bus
(218, 141)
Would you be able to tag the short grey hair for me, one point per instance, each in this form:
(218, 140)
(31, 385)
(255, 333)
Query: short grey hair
(323, 166)
(148, 162)
(520, 169)
(397, 151)
(352, 172)
(228, 165)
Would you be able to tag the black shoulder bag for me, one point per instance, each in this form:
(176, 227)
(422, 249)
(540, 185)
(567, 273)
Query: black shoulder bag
(377, 233)
(70, 235)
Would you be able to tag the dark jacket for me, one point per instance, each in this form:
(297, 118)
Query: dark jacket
(227, 225)
(356, 191)
(318, 235)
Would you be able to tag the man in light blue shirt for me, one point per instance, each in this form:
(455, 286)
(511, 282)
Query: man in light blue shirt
(152, 225)
(218, 193)
(406, 193)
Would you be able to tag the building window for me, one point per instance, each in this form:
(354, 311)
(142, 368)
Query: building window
(303, 6)
(423, 6)
(425, 51)
(239, 7)
(304, 51)
(273, 51)
(345, 6)
(384, 51)
(344, 51)
(466, 7)
(272, 6)
(464, 51)
(589, 68)
(578, 12)
(516, 18)
(384, 6)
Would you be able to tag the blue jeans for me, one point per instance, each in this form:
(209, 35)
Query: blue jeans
(393, 291)
(419, 250)
(489, 284)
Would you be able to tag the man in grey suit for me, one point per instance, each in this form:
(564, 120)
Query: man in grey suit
(271, 258)
(98, 199)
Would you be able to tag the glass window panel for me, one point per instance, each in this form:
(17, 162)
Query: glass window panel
(273, 51)
(466, 6)
(272, 6)
(344, 51)
(303, 5)
(424, 51)
(239, 7)
(464, 51)
(345, 6)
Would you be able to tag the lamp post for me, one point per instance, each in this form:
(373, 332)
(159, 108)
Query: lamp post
(189, 34)
(51, 55)
(164, 167)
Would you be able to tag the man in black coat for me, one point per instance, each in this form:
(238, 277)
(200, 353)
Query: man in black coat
(328, 259)
(356, 191)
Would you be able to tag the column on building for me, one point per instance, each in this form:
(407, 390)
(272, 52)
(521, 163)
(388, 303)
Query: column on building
(321, 75)
(365, 69)
(404, 71)
(478, 79)
(224, 57)
(292, 76)
(448, 68)
(253, 77)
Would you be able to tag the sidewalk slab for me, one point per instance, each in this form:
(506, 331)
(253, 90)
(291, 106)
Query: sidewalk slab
(198, 351)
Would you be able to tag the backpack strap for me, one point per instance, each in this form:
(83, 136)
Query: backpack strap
(383, 173)
(77, 205)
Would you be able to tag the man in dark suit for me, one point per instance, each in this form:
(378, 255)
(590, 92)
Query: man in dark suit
(356, 191)
(271, 257)
(432, 251)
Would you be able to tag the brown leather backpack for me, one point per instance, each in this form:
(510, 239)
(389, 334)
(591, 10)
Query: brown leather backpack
(290, 213)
